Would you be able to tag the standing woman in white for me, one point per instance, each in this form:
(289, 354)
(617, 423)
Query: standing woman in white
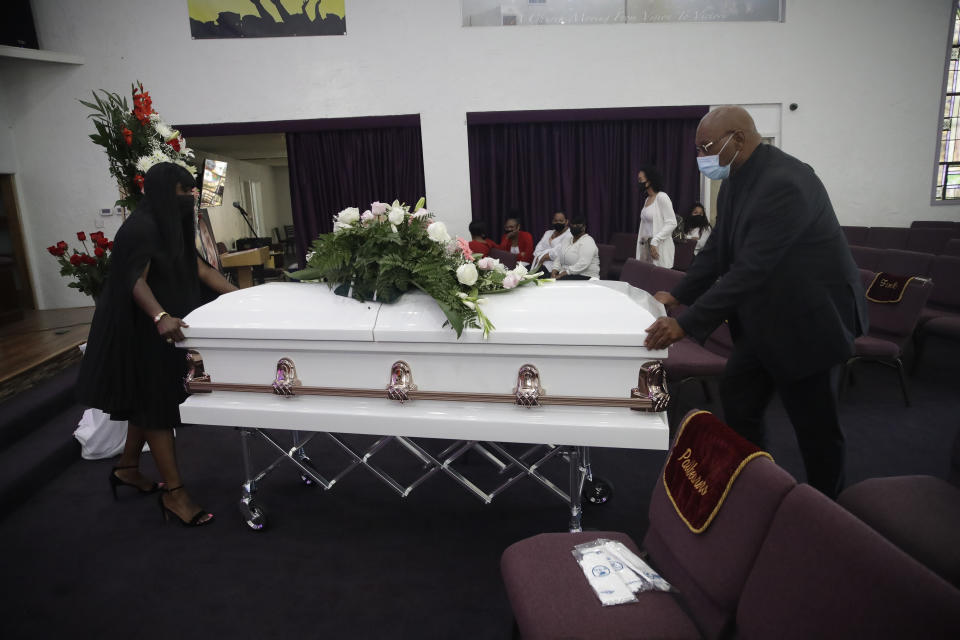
(657, 221)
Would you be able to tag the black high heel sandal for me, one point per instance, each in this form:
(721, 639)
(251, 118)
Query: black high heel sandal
(195, 521)
(117, 481)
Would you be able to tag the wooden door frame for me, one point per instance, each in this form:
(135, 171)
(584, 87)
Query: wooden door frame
(8, 194)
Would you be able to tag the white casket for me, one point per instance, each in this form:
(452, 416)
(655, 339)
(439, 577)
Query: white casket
(597, 384)
(565, 369)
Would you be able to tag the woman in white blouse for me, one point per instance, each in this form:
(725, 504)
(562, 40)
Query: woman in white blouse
(554, 237)
(578, 258)
(657, 221)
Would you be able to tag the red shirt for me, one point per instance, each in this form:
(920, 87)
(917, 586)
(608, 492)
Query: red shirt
(524, 244)
(483, 248)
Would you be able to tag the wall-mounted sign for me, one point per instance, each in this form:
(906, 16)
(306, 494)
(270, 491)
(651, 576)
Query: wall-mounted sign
(266, 18)
(490, 13)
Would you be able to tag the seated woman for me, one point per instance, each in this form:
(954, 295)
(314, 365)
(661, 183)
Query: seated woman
(579, 258)
(516, 241)
(479, 242)
(697, 227)
(553, 238)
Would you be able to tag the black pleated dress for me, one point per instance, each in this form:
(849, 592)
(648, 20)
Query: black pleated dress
(128, 369)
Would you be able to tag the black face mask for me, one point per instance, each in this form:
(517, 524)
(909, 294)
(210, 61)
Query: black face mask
(185, 205)
(577, 230)
(559, 226)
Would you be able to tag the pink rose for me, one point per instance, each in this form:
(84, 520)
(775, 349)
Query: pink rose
(366, 217)
(378, 208)
(486, 264)
(511, 281)
(464, 247)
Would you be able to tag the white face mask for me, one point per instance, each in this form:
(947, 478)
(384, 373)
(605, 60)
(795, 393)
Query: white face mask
(710, 165)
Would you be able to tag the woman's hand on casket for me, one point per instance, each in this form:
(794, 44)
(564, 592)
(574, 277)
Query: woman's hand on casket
(169, 328)
(662, 333)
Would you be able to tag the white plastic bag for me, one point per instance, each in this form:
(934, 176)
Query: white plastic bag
(99, 436)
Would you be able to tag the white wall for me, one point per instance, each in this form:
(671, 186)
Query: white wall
(227, 223)
(8, 159)
(281, 203)
(866, 74)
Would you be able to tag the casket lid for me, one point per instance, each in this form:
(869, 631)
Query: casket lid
(284, 310)
(595, 313)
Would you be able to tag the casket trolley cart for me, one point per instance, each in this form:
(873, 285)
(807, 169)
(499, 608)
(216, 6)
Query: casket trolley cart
(564, 370)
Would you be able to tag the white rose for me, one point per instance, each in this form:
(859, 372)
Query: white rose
(438, 232)
(396, 215)
(499, 266)
(511, 281)
(350, 215)
(467, 274)
(520, 271)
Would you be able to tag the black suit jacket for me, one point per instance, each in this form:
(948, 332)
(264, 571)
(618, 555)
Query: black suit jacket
(778, 267)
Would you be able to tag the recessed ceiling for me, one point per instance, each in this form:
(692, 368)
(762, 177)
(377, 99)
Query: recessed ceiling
(261, 148)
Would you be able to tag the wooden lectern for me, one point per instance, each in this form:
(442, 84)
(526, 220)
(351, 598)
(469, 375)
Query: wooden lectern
(243, 262)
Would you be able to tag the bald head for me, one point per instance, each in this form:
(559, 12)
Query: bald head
(732, 126)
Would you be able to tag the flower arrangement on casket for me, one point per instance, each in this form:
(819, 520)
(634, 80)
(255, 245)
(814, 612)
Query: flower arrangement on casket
(135, 140)
(388, 249)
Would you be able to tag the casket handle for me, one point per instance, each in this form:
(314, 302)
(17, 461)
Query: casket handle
(286, 378)
(528, 389)
(195, 372)
(401, 382)
(652, 386)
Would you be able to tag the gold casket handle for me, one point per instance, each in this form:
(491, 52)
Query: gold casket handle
(195, 372)
(401, 382)
(652, 385)
(528, 389)
(286, 378)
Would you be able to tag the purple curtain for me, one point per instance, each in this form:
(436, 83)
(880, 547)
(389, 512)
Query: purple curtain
(584, 166)
(338, 168)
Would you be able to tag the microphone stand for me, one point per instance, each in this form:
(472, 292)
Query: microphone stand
(245, 215)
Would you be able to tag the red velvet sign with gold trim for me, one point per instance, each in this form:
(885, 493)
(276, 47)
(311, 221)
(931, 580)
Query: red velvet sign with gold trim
(705, 460)
(887, 288)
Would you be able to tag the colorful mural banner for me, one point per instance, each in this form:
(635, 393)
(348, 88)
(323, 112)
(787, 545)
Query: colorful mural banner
(266, 18)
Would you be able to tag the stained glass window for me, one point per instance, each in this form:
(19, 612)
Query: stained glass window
(948, 161)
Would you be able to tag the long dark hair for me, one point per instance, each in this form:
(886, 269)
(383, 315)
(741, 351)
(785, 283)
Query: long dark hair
(160, 202)
(697, 222)
(654, 177)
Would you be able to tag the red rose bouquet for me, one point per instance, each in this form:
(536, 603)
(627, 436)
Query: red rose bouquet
(89, 271)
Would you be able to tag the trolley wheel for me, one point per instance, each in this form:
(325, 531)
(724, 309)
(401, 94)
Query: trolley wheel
(304, 478)
(597, 491)
(253, 516)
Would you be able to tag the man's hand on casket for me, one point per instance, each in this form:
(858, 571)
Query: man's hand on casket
(666, 299)
(662, 333)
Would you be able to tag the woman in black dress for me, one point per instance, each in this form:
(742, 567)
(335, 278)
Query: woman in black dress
(131, 368)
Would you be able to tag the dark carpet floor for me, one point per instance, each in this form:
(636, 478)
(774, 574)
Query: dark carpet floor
(358, 561)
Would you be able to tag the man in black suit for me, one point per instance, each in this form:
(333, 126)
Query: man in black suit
(778, 269)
